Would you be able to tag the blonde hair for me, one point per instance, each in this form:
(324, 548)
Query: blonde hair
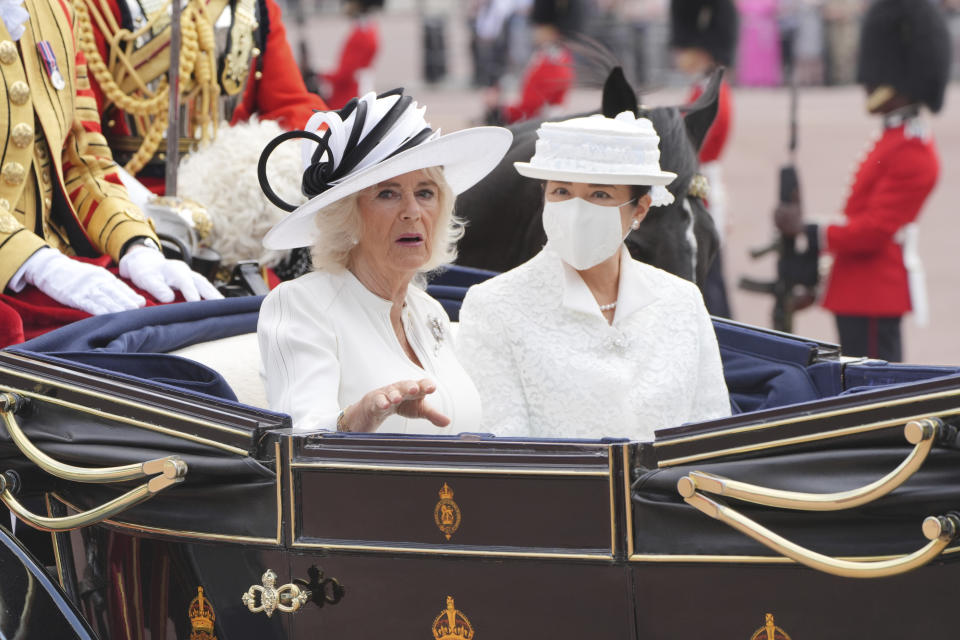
(341, 227)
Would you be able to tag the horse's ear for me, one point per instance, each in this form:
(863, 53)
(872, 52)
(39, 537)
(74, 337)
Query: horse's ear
(699, 115)
(618, 95)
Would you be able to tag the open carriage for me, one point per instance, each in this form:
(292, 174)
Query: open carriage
(180, 511)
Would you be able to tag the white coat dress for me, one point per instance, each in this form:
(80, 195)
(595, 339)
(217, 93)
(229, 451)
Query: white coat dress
(326, 340)
(548, 364)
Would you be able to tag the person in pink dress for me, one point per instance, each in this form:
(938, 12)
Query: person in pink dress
(758, 59)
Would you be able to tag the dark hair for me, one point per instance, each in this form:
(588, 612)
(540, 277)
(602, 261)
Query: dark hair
(637, 191)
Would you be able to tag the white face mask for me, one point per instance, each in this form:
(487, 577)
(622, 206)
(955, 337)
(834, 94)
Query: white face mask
(583, 233)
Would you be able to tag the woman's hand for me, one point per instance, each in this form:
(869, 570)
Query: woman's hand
(405, 398)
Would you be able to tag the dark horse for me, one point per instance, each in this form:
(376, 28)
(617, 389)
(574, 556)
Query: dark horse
(503, 210)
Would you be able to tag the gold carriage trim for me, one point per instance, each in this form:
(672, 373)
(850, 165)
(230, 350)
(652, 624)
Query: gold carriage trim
(202, 618)
(452, 624)
(446, 514)
(769, 631)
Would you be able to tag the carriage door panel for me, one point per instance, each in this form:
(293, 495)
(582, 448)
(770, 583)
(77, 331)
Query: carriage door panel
(415, 596)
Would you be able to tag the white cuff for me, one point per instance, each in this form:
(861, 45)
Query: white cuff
(19, 279)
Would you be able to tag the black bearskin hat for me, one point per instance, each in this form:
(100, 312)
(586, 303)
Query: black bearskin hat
(565, 15)
(712, 25)
(366, 5)
(905, 44)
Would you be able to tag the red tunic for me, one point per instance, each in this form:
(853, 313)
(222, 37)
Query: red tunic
(358, 53)
(889, 188)
(547, 81)
(280, 93)
(716, 140)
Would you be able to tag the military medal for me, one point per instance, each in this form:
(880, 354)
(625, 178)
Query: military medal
(50, 62)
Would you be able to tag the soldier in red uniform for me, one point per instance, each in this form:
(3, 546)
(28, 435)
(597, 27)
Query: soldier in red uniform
(904, 65)
(703, 36)
(356, 58)
(550, 73)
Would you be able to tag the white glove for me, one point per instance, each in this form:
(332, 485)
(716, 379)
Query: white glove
(158, 276)
(77, 284)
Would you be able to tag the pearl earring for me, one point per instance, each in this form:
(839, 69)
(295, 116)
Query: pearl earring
(635, 224)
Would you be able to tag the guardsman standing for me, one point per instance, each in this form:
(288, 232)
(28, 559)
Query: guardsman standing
(550, 73)
(703, 36)
(60, 196)
(354, 73)
(904, 65)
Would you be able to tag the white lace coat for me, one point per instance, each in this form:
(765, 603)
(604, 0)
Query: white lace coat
(548, 364)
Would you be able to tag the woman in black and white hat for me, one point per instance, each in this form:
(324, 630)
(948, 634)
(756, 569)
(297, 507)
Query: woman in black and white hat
(356, 345)
(582, 340)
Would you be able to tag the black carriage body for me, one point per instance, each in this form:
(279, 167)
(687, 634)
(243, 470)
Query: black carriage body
(400, 536)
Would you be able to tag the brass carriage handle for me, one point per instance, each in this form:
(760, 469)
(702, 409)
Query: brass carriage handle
(940, 530)
(288, 598)
(920, 433)
(10, 401)
(171, 476)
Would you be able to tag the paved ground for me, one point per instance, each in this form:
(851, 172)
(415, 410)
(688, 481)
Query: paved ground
(833, 131)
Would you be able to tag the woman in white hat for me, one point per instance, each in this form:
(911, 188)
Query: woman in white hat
(356, 345)
(583, 340)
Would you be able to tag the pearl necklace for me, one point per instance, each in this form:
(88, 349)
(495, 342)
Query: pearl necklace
(608, 307)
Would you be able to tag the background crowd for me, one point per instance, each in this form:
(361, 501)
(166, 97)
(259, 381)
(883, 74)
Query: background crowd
(820, 36)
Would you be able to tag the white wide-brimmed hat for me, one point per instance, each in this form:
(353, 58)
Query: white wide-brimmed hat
(600, 150)
(372, 139)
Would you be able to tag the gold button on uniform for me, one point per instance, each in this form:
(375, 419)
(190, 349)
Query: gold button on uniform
(258, 75)
(21, 135)
(8, 52)
(8, 224)
(13, 173)
(19, 92)
(47, 202)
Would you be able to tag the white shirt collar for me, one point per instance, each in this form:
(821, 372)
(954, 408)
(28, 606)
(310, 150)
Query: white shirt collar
(634, 293)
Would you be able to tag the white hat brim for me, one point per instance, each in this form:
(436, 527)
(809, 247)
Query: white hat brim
(466, 156)
(662, 178)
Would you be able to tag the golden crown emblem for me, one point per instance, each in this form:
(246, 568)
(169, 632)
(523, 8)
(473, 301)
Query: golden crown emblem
(446, 513)
(201, 617)
(452, 624)
(446, 493)
(770, 631)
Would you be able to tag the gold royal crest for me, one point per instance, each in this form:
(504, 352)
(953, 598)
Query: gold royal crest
(769, 631)
(446, 514)
(201, 618)
(452, 624)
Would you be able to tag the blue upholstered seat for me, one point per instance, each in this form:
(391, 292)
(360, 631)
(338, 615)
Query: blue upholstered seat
(763, 369)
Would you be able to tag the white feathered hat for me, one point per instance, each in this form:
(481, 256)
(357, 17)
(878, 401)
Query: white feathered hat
(372, 139)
